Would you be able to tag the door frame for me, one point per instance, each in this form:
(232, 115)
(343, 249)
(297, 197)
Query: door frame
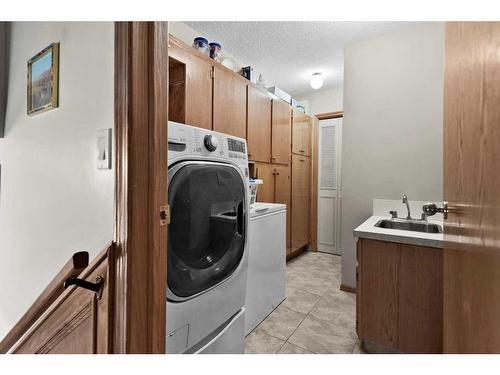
(337, 189)
(315, 173)
(141, 211)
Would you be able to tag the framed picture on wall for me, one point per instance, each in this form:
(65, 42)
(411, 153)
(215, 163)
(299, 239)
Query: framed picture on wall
(43, 80)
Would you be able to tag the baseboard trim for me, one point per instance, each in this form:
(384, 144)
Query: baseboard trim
(348, 289)
(297, 252)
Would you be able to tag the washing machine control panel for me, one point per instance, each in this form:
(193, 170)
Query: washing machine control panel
(184, 140)
(211, 142)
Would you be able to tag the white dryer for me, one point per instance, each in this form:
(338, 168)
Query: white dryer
(207, 241)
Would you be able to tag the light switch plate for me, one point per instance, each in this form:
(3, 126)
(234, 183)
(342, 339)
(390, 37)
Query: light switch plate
(104, 148)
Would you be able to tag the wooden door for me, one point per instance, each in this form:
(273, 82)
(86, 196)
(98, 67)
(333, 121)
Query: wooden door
(265, 192)
(471, 187)
(230, 103)
(259, 125)
(141, 115)
(282, 194)
(301, 201)
(378, 300)
(194, 103)
(301, 133)
(281, 132)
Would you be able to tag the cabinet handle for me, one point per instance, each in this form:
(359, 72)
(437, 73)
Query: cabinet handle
(273, 157)
(302, 150)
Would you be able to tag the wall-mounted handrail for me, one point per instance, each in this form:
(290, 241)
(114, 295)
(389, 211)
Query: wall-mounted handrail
(78, 262)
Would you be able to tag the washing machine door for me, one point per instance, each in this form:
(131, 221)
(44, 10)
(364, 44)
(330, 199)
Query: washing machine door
(206, 238)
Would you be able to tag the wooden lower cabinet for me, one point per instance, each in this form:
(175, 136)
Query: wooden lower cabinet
(265, 172)
(282, 194)
(301, 201)
(276, 189)
(399, 296)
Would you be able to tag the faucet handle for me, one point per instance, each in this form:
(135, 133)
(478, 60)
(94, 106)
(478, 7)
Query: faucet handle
(394, 214)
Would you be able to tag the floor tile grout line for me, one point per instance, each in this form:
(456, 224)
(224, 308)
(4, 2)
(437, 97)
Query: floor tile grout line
(300, 325)
(303, 267)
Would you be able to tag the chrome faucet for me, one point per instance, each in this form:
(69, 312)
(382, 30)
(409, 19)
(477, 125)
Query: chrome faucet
(405, 201)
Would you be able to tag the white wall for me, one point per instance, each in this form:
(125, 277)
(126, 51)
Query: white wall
(53, 200)
(393, 125)
(324, 100)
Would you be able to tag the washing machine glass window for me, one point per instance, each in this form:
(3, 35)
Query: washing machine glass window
(206, 239)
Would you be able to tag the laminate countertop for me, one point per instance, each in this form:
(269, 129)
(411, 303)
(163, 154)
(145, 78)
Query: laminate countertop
(368, 230)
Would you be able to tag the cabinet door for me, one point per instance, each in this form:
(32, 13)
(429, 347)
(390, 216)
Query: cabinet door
(281, 132)
(282, 195)
(199, 93)
(265, 192)
(301, 133)
(259, 125)
(378, 287)
(197, 96)
(230, 103)
(301, 201)
(420, 328)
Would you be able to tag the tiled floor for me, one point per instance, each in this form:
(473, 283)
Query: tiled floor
(316, 316)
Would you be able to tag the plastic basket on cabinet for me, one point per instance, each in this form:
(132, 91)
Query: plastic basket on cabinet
(253, 184)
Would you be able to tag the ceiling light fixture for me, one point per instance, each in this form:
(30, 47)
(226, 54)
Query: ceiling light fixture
(316, 81)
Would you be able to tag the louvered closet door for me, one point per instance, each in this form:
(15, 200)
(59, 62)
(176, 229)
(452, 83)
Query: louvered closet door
(329, 193)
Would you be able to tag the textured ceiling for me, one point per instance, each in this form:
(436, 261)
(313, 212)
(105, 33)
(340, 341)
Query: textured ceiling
(287, 53)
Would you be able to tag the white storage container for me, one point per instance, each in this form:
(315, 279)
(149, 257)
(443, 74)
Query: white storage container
(280, 94)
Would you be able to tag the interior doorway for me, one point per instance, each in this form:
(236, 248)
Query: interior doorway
(329, 185)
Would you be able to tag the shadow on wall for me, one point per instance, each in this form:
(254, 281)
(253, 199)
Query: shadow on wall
(4, 72)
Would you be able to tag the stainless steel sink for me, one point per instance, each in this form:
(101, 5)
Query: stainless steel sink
(411, 225)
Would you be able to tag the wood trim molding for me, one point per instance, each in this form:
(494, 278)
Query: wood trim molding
(47, 309)
(141, 106)
(73, 267)
(348, 289)
(297, 252)
(330, 115)
(314, 184)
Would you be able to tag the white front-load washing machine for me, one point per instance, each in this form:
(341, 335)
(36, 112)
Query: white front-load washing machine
(207, 241)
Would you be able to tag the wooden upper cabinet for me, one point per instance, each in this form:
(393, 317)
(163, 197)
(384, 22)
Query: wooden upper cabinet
(281, 132)
(282, 194)
(265, 192)
(301, 201)
(230, 103)
(190, 99)
(259, 125)
(301, 133)
(199, 93)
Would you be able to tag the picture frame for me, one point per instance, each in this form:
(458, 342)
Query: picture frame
(43, 80)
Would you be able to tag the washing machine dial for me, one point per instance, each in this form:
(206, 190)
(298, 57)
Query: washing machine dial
(211, 142)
